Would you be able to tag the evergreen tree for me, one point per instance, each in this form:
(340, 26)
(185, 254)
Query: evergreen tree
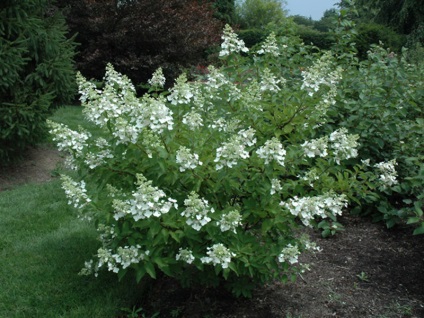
(36, 71)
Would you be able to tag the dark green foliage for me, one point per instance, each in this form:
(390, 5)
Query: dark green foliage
(137, 37)
(323, 40)
(382, 100)
(224, 10)
(252, 37)
(36, 71)
(372, 33)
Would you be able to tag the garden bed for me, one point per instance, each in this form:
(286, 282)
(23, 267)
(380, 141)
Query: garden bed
(364, 271)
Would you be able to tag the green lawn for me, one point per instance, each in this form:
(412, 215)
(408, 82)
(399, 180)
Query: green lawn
(43, 246)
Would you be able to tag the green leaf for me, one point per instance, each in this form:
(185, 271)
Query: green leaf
(175, 236)
(419, 230)
(150, 269)
(121, 274)
(267, 225)
(140, 273)
(233, 267)
(413, 220)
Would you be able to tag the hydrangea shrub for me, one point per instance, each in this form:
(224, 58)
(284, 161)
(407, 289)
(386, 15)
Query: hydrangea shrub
(210, 181)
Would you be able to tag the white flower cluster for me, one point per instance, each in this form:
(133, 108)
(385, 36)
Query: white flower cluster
(218, 254)
(220, 124)
(67, 139)
(193, 119)
(307, 208)
(215, 80)
(100, 156)
(106, 233)
(269, 82)
(311, 176)
(231, 42)
(320, 73)
(181, 92)
(344, 145)
(185, 255)
(316, 147)
(230, 221)
(388, 173)
(158, 79)
(275, 186)
(252, 96)
(229, 153)
(153, 114)
(118, 104)
(289, 254)
(270, 46)
(124, 257)
(186, 159)
(115, 100)
(75, 192)
(272, 150)
(196, 212)
(150, 142)
(147, 201)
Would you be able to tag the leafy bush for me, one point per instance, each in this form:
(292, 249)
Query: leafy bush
(372, 33)
(36, 71)
(210, 181)
(323, 40)
(382, 100)
(140, 36)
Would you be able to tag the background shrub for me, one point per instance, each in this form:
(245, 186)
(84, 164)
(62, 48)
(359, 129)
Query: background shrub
(139, 36)
(36, 71)
(373, 33)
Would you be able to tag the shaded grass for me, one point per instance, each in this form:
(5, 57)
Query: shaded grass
(43, 246)
(73, 117)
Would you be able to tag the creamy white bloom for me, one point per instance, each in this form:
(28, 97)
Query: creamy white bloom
(146, 201)
(269, 82)
(193, 119)
(218, 254)
(289, 254)
(388, 173)
(275, 186)
(230, 221)
(321, 73)
(152, 113)
(181, 92)
(272, 150)
(344, 146)
(307, 208)
(185, 255)
(158, 79)
(186, 159)
(230, 152)
(196, 212)
(316, 147)
(231, 43)
(270, 46)
(123, 258)
(67, 139)
(75, 192)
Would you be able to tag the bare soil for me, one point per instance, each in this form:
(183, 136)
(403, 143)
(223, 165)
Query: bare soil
(364, 271)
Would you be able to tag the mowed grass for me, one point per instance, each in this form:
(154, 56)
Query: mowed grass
(43, 246)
